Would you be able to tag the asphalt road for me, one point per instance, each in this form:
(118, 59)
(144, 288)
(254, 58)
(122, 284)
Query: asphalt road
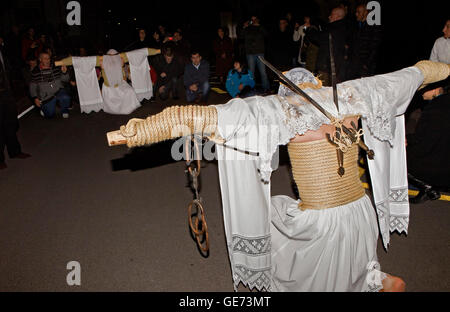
(123, 216)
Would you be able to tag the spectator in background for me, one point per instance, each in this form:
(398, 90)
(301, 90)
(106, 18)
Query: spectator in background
(182, 47)
(223, 48)
(155, 41)
(141, 42)
(282, 46)
(428, 148)
(169, 70)
(29, 44)
(32, 63)
(290, 18)
(9, 124)
(307, 51)
(291, 22)
(45, 43)
(196, 79)
(338, 28)
(254, 36)
(240, 82)
(49, 51)
(46, 87)
(163, 34)
(83, 51)
(441, 48)
(364, 46)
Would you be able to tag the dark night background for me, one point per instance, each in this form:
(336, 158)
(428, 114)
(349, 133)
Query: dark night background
(409, 28)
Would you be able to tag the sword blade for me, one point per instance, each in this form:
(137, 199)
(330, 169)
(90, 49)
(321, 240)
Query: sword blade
(333, 72)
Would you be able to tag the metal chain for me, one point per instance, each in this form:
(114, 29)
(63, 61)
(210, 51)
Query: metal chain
(197, 221)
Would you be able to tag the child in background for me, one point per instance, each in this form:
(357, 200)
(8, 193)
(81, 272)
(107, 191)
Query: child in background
(240, 82)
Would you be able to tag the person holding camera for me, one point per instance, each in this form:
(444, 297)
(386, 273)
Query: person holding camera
(254, 36)
(46, 87)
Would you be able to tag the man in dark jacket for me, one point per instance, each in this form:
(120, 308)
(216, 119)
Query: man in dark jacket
(364, 46)
(338, 28)
(254, 36)
(9, 123)
(282, 46)
(169, 70)
(182, 47)
(196, 79)
(141, 43)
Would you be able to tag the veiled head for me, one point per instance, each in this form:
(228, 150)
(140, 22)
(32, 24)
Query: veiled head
(302, 78)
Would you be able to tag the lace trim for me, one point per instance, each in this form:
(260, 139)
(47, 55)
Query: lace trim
(399, 195)
(254, 246)
(251, 278)
(390, 223)
(374, 277)
(304, 117)
(383, 216)
(399, 224)
(92, 107)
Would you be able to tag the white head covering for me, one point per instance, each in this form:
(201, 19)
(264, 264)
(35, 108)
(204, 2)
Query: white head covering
(112, 64)
(298, 76)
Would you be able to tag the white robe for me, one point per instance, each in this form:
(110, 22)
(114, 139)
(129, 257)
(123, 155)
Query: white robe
(119, 97)
(87, 84)
(273, 245)
(140, 74)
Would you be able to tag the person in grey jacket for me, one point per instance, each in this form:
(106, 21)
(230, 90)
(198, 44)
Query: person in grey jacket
(46, 87)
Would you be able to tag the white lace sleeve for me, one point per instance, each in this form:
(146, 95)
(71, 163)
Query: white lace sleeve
(385, 97)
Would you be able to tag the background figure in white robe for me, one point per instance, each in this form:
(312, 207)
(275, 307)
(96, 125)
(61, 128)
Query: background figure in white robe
(87, 84)
(140, 74)
(273, 243)
(118, 96)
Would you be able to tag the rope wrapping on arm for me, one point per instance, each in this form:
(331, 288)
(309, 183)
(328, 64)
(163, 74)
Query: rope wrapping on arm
(171, 123)
(433, 71)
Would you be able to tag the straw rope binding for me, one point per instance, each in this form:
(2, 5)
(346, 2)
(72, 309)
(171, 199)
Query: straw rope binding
(314, 168)
(433, 71)
(172, 122)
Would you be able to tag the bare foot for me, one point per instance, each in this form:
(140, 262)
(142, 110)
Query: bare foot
(393, 284)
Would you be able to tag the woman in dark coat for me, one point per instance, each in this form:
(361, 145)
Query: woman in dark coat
(223, 48)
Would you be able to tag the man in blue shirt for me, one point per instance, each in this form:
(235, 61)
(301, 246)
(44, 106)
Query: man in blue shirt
(196, 76)
(240, 82)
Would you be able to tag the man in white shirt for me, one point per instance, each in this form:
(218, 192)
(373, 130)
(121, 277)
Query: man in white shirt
(441, 48)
